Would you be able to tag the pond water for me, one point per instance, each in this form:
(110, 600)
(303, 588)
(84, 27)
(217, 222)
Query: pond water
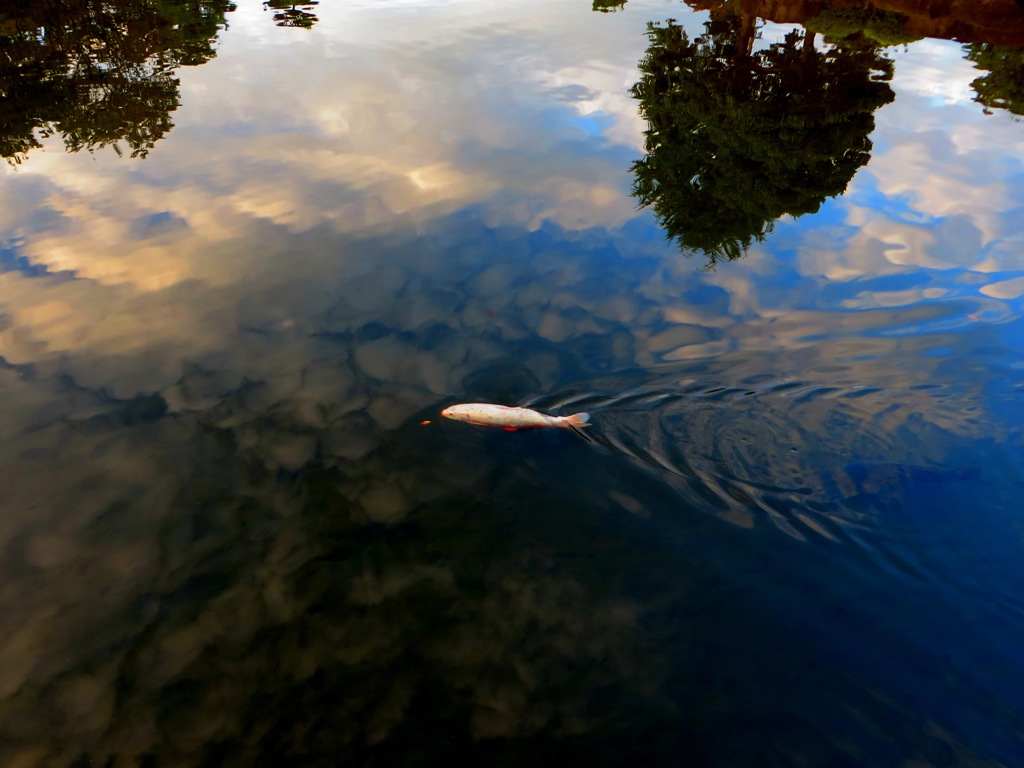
(248, 254)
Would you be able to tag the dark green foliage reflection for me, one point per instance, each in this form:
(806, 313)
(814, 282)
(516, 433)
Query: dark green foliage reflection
(1002, 85)
(878, 26)
(98, 73)
(289, 14)
(738, 138)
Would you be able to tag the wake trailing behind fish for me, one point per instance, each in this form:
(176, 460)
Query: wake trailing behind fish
(512, 418)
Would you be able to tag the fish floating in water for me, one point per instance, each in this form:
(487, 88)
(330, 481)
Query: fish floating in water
(488, 415)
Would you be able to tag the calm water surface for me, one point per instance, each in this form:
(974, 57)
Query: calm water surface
(248, 254)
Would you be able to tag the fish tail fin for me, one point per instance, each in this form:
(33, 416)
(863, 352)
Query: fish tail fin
(578, 420)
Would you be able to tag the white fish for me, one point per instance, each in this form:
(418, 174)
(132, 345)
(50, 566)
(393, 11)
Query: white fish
(511, 418)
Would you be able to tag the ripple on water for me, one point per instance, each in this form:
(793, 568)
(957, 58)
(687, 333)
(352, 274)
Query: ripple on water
(816, 457)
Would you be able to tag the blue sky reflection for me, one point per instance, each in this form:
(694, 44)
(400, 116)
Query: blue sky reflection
(352, 225)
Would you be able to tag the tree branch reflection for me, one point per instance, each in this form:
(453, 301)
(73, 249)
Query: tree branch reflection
(289, 14)
(738, 138)
(98, 73)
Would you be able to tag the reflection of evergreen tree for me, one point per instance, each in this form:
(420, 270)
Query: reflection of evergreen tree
(1003, 86)
(738, 138)
(97, 73)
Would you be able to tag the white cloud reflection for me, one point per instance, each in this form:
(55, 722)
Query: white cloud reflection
(369, 121)
(943, 188)
(936, 70)
(274, 269)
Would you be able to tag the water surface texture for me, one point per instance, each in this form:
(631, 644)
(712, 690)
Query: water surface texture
(249, 252)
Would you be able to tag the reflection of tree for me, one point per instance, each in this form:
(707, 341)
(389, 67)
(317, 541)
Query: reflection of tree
(289, 14)
(738, 138)
(609, 6)
(878, 26)
(1003, 86)
(97, 73)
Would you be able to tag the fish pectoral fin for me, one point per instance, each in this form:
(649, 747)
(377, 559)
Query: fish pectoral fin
(510, 429)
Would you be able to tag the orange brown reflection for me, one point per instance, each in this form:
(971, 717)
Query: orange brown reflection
(998, 22)
(992, 31)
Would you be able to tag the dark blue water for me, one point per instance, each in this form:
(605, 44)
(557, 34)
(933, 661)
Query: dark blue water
(248, 255)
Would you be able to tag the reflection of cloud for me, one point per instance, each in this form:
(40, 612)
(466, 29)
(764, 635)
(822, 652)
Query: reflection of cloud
(939, 180)
(874, 299)
(1005, 289)
(264, 533)
(599, 92)
(936, 70)
(943, 188)
(375, 158)
(350, 159)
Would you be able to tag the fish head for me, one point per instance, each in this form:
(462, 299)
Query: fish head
(454, 412)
